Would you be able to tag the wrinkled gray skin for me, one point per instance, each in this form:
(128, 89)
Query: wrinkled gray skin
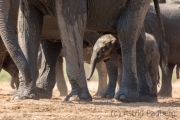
(89, 39)
(60, 80)
(125, 20)
(101, 69)
(10, 40)
(171, 18)
(106, 48)
(8, 65)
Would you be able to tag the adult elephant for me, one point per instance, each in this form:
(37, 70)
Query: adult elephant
(171, 17)
(124, 18)
(50, 32)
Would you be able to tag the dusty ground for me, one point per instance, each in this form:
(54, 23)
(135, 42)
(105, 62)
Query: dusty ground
(55, 108)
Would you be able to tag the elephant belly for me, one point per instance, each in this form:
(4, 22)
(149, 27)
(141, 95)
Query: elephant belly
(103, 14)
(50, 29)
(45, 6)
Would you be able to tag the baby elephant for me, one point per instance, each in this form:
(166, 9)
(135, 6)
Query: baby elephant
(107, 48)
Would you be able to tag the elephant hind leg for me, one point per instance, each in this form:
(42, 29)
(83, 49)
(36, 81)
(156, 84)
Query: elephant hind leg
(166, 87)
(47, 80)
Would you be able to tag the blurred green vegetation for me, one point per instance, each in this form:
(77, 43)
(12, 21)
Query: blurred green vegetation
(4, 76)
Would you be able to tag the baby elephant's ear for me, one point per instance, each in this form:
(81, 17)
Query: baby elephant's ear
(113, 41)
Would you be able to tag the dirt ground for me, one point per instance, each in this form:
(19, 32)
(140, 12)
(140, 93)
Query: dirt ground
(98, 109)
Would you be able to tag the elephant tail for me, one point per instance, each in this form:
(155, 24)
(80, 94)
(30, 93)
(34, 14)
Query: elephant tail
(164, 48)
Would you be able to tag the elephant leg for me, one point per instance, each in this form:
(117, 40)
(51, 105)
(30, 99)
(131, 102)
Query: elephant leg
(39, 58)
(47, 80)
(11, 42)
(145, 84)
(72, 26)
(153, 59)
(129, 28)
(119, 79)
(102, 77)
(30, 21)
(112, 69)
(11, 68)
(3, 53)
(166, 87)
(60, 80)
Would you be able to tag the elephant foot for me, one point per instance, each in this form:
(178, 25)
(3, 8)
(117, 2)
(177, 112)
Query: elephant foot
(25, 93)
(63, 94)
(98, 93)
(127, 95)
(108, 93)
(43, 93)
(165, 93)
(79, 94)
(12, 92)
(147, 97)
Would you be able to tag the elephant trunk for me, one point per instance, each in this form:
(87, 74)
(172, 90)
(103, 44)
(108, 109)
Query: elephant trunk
(92, 65)
(10, 40)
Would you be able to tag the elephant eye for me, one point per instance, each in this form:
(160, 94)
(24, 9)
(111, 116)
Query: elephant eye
(103, 49)
(100, 51)
(108, 45)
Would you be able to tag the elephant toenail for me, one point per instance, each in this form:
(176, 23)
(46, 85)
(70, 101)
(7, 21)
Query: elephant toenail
(32, 96)
(15, 98)
(122, 97)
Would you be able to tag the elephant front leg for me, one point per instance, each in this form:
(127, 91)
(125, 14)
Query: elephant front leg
(166, 87)
(72, 22)
(60, 80)
(129, 29)
(30, 21)
(112, 69)
(46, 81)
(102, 77)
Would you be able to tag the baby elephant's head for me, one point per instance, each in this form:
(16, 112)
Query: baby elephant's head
(103, 50)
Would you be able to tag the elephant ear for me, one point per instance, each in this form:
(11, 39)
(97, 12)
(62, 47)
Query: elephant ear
(151, 22)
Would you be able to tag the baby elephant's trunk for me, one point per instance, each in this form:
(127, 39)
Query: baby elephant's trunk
(92, 65)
